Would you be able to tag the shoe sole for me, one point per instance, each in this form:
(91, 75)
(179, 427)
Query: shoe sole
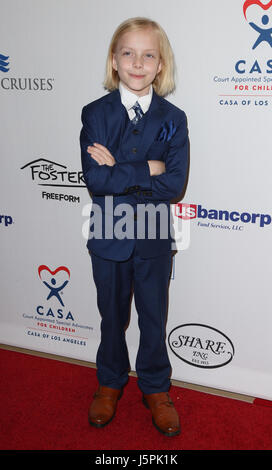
(102, 425)
(168, 434)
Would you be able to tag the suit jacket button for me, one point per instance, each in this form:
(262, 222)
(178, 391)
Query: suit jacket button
(135, 216)
(135, 132)
(134, 150)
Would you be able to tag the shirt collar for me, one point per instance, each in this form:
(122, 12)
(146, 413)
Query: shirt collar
(128, 98)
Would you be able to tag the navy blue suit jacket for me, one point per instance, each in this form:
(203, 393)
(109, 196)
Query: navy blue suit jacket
(105, 121)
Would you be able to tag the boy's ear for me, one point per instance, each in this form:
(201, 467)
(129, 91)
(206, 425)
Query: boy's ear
(114, 63)
(159, 68)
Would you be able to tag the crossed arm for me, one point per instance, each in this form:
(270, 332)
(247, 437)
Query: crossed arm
(103, 157)
(104, 175)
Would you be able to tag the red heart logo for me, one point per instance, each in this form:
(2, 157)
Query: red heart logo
(248, 3)
(43, 267)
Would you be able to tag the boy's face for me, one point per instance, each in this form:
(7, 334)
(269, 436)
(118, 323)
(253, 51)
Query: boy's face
(137, 60)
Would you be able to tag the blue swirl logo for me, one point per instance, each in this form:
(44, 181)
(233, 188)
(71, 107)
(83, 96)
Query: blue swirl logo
(3, 63)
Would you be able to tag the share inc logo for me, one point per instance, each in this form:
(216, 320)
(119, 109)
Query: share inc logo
(262, 25)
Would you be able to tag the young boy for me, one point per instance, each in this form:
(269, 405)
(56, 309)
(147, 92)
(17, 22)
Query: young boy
(134, 151)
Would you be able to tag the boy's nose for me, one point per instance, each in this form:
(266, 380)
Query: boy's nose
(138, 62)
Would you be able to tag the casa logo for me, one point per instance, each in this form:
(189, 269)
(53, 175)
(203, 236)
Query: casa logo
(262, 26)
(22, 83)
(48, 173)
(259, 17)
(54, 281)
(201, 346)
(192, 211)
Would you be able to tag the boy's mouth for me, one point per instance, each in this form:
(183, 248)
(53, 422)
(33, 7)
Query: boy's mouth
(136, 76)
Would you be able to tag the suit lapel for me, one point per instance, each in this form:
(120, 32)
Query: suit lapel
(115, 108)
(115, 122)
(117, 119)
(154, 120)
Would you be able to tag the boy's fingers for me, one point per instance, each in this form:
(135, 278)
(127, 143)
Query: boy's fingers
(98, 160)
(97, 151)
(101, 155)
(101, 159)
(101, 147)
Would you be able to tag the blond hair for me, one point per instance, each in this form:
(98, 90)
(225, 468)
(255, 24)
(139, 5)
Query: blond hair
(164, 83)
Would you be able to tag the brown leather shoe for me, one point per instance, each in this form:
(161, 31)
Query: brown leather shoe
(164, 415)
(103, 407)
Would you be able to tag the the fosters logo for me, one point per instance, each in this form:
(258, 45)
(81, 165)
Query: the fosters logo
(49, 174)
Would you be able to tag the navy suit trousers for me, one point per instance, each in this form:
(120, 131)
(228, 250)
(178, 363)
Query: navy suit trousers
(116, 282)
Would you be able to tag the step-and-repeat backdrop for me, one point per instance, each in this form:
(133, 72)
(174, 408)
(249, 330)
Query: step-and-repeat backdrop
(52, 63)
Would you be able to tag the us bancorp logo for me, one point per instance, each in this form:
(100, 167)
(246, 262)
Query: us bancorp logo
(22, 83)
(201, 345)
(6, 220)
(209, 217)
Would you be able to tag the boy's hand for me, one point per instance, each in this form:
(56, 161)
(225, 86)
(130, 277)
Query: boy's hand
(101, 154)
(103, 157)
(156, 167)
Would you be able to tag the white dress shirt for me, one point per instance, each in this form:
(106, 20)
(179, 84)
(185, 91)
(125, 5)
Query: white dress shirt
(129, 99)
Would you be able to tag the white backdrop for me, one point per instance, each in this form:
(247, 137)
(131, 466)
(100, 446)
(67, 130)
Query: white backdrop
(52, 64)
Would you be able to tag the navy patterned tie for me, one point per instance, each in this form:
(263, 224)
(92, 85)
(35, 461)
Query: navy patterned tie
(138, 113)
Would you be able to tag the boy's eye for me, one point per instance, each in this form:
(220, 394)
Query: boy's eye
(126, 53)
(149, 56)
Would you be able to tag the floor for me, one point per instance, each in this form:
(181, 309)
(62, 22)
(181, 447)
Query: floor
(177, 383)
